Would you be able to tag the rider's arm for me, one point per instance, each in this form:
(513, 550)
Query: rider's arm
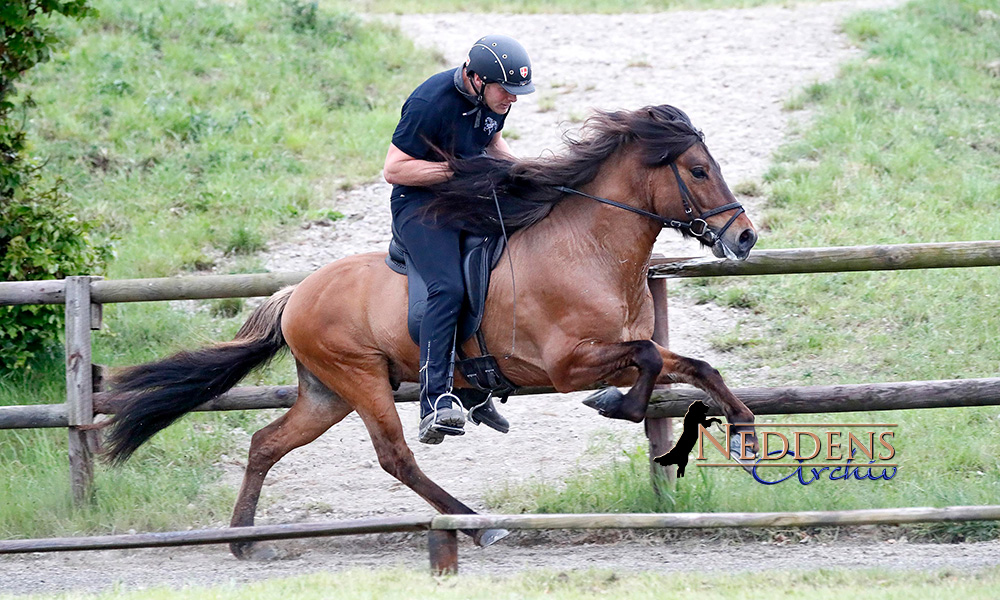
(498, 147)
(402, 169)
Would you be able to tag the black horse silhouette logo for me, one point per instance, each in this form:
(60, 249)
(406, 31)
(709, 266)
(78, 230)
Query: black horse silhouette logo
(678, 455)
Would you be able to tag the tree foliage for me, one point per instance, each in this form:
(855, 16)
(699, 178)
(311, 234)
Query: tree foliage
(40, 237)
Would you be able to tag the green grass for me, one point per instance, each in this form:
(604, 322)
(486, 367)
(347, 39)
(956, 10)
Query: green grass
(389, 584)
(194, 128)
(905, 147)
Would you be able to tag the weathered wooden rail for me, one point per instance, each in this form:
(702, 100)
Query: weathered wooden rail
(664, 404)
(84, 297)
(761, 262)
(443, 529)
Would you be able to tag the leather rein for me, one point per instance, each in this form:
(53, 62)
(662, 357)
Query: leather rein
(697, 226)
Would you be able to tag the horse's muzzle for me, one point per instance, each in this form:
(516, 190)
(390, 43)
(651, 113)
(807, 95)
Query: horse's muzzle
(736, 247)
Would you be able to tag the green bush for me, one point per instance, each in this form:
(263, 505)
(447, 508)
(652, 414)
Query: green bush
(40, 238)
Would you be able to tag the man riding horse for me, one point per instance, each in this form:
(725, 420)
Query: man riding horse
(599, 206)
(460, 112)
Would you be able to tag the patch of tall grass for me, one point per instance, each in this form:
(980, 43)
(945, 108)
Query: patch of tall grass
(965, 474)
(904, 147)
(190, 128)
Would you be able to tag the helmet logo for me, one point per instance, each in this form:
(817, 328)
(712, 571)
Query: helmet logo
(524, 71)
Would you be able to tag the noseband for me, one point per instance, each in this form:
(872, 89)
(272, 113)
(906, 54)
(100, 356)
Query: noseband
(697, 226)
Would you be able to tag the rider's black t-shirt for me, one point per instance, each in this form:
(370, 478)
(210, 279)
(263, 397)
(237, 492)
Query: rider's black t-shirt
(438, 115)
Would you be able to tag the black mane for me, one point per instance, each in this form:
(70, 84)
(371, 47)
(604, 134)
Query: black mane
(526, 189)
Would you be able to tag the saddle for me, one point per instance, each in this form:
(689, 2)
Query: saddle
(480, 256)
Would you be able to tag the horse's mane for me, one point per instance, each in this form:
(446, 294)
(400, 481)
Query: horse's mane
(526, 189)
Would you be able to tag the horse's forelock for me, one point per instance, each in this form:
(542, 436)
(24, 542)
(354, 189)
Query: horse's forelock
(666, 134)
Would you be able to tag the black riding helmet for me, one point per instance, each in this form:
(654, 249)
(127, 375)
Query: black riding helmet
(501, 59)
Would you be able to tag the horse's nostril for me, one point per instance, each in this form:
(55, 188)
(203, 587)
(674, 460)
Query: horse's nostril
(747, 239)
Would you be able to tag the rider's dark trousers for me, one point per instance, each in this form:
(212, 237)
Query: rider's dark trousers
(436, 254)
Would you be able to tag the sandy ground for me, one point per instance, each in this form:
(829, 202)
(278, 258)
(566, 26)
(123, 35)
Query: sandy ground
(731, 71)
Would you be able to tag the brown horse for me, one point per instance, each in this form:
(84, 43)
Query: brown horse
(584, 310)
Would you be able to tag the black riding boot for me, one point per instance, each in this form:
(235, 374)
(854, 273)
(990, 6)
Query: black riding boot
(481, 409)
(438, 416)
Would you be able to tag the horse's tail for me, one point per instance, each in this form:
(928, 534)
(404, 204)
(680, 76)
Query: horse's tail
(150, 397)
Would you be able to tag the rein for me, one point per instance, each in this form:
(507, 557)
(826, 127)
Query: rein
(698, 226)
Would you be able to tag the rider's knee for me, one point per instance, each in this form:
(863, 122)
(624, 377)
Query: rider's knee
(448, 292)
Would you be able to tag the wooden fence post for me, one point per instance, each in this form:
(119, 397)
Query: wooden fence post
(81, 317)
(659, 431)
(442, 544)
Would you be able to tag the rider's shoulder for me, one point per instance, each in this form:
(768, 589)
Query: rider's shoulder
(436, 87)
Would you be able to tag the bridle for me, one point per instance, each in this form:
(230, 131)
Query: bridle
(697, 226)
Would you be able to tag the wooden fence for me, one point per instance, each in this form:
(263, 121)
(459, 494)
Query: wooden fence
(84, 297)
(442, 530)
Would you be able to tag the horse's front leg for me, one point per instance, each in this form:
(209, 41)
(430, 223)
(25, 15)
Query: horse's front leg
(681, 369)
(593, 361)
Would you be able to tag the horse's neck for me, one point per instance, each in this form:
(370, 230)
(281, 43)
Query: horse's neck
(586, 231)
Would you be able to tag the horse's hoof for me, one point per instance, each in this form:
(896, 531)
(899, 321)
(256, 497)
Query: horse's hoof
(488, 537)
(258, 552)
(736, 453)
(607, 401)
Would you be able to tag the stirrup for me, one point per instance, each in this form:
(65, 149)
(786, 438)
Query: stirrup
(442, 421)
(486, 413)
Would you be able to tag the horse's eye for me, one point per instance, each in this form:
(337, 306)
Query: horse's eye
(699, 173)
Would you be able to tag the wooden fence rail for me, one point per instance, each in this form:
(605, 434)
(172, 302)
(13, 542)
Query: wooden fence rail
(827, 518)
(895, 257)
(761, 262)
(195, 537)
(664, 403)
(442, 529)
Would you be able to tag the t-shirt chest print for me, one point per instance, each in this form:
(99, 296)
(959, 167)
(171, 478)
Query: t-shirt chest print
(490, 125)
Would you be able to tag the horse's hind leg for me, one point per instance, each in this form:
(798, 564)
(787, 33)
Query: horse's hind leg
(371, 396)
(316, 410)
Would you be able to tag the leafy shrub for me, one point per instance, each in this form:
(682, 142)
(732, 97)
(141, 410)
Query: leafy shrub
(40, 238)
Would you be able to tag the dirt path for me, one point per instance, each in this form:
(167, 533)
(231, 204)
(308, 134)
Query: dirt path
(731, 71)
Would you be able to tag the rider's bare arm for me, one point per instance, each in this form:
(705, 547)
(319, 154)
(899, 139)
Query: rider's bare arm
(498, 147)
(402, 169)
